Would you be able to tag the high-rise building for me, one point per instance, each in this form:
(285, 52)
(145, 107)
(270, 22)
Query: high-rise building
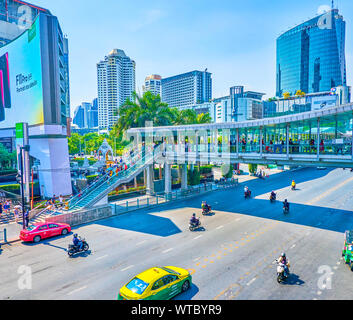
(153, 83)
(79, 117)
(116, 82)
(86, 115)
(311, 56)
(16, 17)
(187, 89)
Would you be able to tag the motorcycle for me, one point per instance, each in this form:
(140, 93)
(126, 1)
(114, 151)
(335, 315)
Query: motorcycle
(72, 249)
(285, 210)
(293, 187)
(273, 198)
(281, 275)
(206, 210)
(247, 194)
(193, 226)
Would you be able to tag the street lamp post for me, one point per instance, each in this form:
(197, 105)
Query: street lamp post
(26, 148)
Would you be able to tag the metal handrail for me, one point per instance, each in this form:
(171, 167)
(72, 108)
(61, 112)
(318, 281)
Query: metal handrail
(142, 161)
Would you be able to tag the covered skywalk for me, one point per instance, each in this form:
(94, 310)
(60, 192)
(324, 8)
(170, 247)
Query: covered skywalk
(315, 138)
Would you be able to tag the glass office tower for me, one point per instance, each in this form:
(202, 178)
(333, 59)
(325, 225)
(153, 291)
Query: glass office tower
(311, 56)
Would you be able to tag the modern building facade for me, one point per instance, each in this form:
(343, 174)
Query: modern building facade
(86, 115)
(187, 89)
(311, 56)
(153, 84)
(238, 106)
(79, 117)
(116, 83)
(309, 102)
(16, 17)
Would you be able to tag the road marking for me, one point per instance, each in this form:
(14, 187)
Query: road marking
(192, 271)
(198, 237)
(335, 267)
(76, 290)
(220, 227)
(141, 242)
(197, 259)
(251, 281)
(168, 250)
(102, 257)
(329, 191)
(293, 246)
(127, 268)
(319, 292)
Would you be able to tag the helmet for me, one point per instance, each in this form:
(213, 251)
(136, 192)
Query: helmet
(286, 200)
(194, 214)
(283, 255)
(75, 235)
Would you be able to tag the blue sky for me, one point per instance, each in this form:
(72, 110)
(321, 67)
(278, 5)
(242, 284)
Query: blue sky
(235, 40)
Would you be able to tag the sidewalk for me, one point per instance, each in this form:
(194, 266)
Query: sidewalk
(12, 230)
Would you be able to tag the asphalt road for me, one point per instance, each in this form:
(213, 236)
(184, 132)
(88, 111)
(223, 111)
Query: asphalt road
(231, 258)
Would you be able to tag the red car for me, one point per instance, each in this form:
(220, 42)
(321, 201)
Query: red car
(39, 231)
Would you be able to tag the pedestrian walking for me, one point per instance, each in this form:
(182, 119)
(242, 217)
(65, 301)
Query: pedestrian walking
(16, 212)
(0, 209)
(26, 218)
(61, 200)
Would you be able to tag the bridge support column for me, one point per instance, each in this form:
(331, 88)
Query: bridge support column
(149, 180)
(168, 179)
(318, 139)
(184, 177)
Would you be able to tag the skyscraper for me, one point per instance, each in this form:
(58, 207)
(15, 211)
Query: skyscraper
(153, 83)
(311, 56)
(116, 82)
(187, 89)
(16, 17)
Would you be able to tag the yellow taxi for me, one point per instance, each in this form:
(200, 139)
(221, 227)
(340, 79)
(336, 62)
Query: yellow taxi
(159, 283)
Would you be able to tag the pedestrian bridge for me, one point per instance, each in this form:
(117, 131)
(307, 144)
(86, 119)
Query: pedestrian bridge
(316, 138)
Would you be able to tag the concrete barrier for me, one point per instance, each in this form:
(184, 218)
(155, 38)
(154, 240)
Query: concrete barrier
(83, 216)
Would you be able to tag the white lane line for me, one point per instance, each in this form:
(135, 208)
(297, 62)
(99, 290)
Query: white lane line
(292, 246)
(144, 241)
(198, 237)
(220, 227)
(168, 250)
(196, 259)
(127, 268)
(251, 281)
(319, 292)
(102, 257)
(76, 290)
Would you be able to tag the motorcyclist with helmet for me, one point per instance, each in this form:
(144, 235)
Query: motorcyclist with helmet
(273, 195)
(293, 185)
(205, 207)
(77, 242)
(194, 221)
(284, 262)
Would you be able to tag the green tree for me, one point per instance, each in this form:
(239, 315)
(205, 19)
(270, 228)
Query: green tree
(149, 107)
(7, 159)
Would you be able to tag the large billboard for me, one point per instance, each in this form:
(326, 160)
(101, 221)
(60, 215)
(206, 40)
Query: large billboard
(21, 93)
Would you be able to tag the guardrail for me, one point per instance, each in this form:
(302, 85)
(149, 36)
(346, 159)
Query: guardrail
(3, 236)
(159, 198)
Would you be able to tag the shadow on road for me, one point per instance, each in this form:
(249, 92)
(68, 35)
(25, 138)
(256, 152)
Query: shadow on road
(332, 219)
(293, 280)
(83, 254)
(188, 295)
(143, 222)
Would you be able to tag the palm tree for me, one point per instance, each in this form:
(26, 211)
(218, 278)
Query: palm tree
(134, 114)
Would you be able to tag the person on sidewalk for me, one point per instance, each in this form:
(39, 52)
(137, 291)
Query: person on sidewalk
(26, 218)
(15, 212)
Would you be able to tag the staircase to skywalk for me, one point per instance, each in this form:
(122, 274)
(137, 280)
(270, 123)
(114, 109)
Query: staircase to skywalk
(110, 181)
